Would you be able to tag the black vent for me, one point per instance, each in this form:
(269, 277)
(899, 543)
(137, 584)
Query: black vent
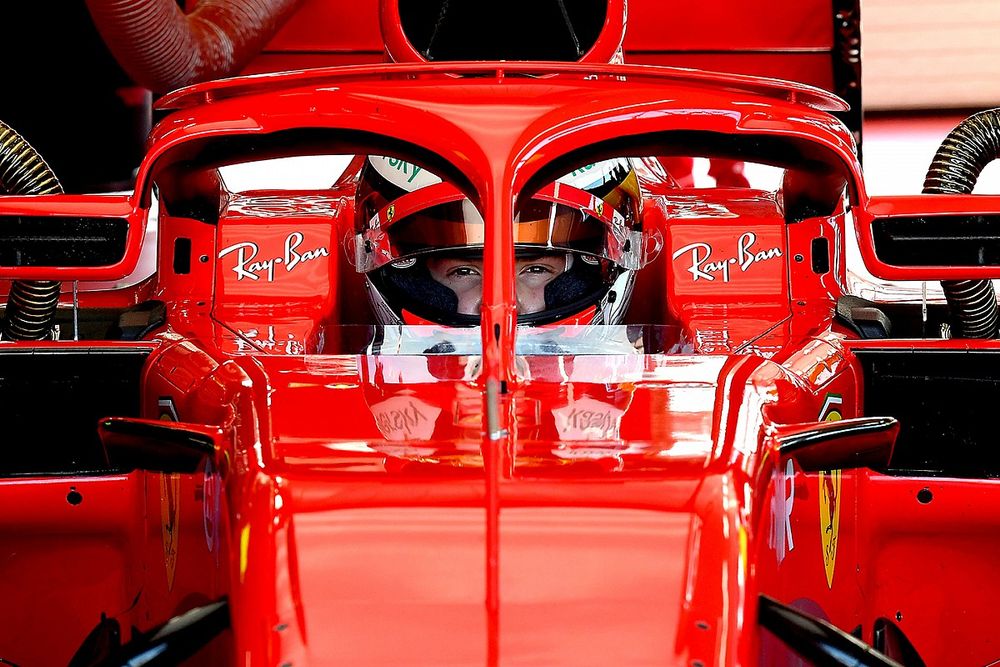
(820, 255)
(182, 256)
(49, 241)
(943, 400)
(448, 30)
(52, 403)
(965, 240)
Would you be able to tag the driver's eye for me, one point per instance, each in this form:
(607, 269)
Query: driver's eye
(463, 272)
(537, 268)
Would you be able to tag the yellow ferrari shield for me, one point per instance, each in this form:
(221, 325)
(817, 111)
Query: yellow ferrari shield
(829, 495)
(829, 519)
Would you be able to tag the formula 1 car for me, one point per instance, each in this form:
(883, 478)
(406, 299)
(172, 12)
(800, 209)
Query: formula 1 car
(256, 413)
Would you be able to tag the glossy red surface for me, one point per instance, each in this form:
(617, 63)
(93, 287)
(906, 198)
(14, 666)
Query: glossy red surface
(782, 39)
(495, 506)
(63, 560)
(375, 545)
(709, 265)
(211, 91)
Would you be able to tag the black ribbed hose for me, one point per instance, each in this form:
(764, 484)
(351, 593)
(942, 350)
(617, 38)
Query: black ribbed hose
(31, 305)
(956, 167)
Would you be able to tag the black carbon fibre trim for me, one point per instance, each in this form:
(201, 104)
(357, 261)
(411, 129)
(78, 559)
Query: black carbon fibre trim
(51, 241)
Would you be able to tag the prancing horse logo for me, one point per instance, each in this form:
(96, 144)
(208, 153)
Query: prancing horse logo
(170, 514)
(829, 495)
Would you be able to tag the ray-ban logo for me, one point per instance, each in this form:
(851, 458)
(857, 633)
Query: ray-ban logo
(704, 267)
(248, 266)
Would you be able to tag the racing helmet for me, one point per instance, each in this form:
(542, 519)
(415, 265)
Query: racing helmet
(407, 218)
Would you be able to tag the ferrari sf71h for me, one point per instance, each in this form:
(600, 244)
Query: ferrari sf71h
(453, 362)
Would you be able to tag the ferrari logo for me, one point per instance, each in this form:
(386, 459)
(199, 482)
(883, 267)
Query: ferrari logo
(829, 495)
(390, 213)
(600, 209)
(170, 496)
(829, 519)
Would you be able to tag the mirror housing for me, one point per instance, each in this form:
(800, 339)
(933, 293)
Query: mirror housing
(931, 237)
(158, 445)
(69, 237)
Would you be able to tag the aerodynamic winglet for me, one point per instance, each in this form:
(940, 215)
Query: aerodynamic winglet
(864, 442)
(817, 641)
(158, 446)
(169, 644)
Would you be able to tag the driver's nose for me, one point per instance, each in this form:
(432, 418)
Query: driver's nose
(469, 302)
(530, 299)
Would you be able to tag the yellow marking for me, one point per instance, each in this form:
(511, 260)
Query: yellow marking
(742, 533)
(244, 550)
(830, 501)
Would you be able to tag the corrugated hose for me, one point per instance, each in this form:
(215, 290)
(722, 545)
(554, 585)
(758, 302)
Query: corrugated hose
(961, 158)
(31, 305)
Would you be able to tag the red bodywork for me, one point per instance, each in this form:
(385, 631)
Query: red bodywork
(540, 509)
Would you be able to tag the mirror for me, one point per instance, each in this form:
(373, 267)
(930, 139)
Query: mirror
(158, 446)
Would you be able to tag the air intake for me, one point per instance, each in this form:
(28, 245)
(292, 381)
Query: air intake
(458, 30)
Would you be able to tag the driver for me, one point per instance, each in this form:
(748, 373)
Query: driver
(464, 277)
(578, 244)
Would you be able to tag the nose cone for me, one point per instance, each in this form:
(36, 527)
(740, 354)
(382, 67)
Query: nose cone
(602, 540)
(407, 585)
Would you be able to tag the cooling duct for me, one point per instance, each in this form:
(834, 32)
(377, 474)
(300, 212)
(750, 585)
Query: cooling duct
(956, 167)
(162, 48)
(31, 305)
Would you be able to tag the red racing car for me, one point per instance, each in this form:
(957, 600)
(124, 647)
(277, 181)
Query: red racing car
(442, 362)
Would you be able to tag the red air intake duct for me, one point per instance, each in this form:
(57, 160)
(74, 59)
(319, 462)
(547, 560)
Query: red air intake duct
(162, 48)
